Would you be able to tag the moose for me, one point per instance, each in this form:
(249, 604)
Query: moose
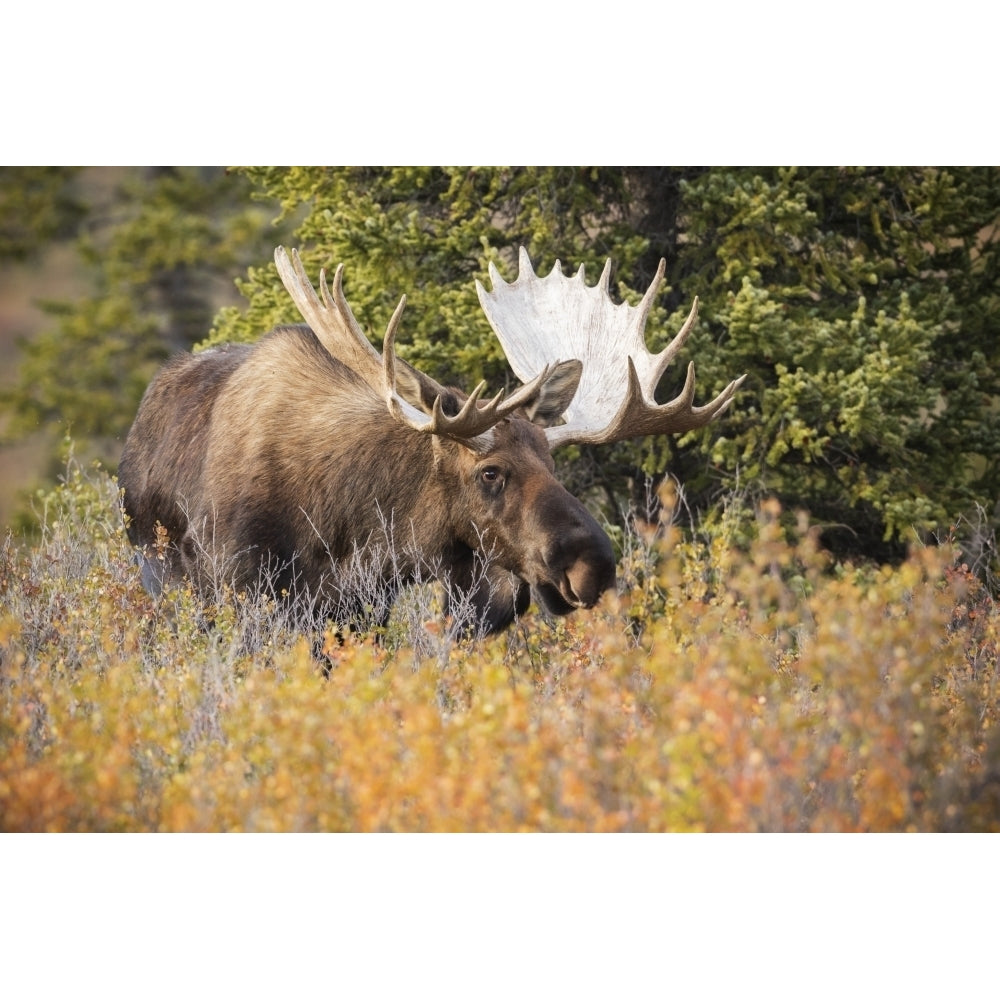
(287, 462)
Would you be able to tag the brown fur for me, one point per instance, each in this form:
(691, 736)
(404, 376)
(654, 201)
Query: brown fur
(276, 460)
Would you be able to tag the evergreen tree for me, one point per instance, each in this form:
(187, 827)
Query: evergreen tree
(38, 205)
(162, 253)
(863, 303)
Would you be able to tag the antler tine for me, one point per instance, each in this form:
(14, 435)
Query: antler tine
(637, 418)
(605, 279)
(663, 360)
(681, 414)
(524, 268)
(389, 350)
(473, 423)
(473, 419)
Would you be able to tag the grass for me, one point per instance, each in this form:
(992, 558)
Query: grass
(724, 688)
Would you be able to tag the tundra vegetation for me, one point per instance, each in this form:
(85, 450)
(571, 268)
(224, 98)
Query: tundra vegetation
(756, 667)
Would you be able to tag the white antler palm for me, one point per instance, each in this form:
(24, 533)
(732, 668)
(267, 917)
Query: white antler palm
(543, 320)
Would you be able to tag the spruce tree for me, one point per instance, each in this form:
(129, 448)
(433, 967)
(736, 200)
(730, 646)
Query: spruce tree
(162, 247)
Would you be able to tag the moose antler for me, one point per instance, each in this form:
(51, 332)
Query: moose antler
(539, 320)
(331, 319)
(474, 419)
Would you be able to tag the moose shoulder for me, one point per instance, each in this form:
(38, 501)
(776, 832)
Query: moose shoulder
(293, 461)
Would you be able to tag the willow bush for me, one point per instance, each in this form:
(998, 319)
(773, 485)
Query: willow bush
(725, 688)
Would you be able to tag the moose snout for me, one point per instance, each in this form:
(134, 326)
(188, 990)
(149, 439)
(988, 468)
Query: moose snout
(582, 564)
(590, 575)
(586, 581)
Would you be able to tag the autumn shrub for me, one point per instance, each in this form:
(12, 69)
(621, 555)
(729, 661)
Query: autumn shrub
(733, 684)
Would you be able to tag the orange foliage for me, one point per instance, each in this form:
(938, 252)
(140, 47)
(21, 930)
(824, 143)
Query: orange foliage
(724, 691)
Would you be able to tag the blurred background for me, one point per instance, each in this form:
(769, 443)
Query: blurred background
(104, 271)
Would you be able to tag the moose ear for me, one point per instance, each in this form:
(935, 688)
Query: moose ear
(555, 394)
(415, 387)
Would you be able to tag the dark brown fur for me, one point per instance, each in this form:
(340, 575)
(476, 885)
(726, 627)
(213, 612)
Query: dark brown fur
(276, 462)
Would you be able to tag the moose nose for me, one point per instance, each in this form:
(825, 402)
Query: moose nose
(587, 579)
(584, 564)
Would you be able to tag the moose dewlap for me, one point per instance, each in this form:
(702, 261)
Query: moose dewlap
(308, 463)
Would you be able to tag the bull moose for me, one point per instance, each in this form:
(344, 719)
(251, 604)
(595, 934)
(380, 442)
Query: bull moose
(287, 462)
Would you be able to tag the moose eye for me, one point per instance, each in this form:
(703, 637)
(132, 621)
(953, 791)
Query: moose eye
(492, 476)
